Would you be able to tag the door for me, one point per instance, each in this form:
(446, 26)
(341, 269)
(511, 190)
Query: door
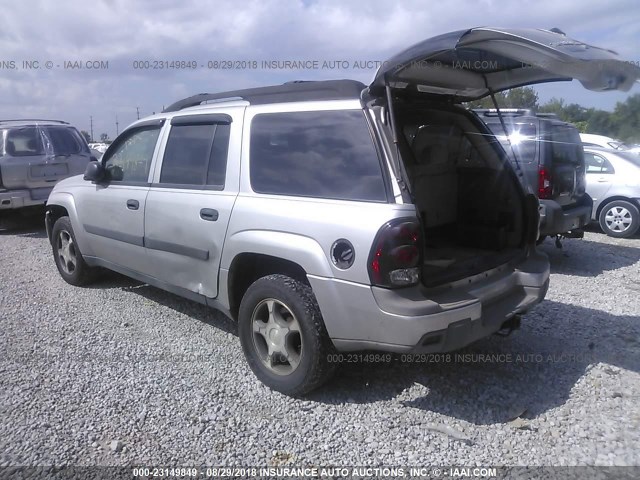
(600, 175)
(112, 212)
(190, 201)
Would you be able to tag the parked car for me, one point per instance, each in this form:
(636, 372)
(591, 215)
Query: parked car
(331, 216)
(34, 156)
(602, 141)
(613, 181)
(549, 154)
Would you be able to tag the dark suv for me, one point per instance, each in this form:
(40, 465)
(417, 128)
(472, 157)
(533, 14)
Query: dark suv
(549, 154)
(34, 156)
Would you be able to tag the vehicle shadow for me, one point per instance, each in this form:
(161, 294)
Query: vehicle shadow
(30, 225)
(498, 379)
(200, 312)
(602, 257)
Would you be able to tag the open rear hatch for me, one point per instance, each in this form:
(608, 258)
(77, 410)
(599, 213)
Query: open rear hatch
(470, 64)
(474, 212)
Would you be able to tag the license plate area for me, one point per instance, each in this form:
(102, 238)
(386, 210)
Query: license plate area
(54, 170)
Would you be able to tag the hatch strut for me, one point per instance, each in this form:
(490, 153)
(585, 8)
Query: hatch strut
(504, 129)
(394, 131)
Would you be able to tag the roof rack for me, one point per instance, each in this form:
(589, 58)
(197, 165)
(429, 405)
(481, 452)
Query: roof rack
(17, 120)
(296, 91)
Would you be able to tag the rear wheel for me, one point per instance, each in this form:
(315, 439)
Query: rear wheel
(66, 253)
(283, 335)
(620, 219)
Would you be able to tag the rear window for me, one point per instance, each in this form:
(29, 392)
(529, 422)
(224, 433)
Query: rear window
(23, 142)
(565, 145)
(40, 140)
(523, 137)
(64, 141)
(327, 154)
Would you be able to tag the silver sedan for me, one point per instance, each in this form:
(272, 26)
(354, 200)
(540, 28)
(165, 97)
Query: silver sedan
(613, 181)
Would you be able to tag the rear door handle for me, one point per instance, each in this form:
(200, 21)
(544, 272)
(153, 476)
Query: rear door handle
(209, 214)
(133, 204)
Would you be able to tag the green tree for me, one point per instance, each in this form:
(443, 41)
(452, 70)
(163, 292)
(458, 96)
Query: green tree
(104, 137)
(626, 117)
(86, 135)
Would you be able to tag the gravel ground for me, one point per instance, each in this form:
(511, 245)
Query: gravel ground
(122, 373)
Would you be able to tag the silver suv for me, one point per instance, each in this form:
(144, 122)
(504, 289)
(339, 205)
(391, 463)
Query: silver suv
(34, 155)
(329, 216)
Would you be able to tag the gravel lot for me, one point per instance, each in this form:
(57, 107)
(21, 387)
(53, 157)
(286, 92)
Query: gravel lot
(122, 373)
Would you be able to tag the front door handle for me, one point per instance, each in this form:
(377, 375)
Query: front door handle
(209, 214)
(133, 204)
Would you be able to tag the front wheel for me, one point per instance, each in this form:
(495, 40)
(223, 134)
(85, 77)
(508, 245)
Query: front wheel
(620, 219)
(283, 335)
(66, 253)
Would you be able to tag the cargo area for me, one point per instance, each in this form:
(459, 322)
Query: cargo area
(470, 202)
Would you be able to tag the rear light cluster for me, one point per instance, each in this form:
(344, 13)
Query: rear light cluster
(545, 187)
(396, 254)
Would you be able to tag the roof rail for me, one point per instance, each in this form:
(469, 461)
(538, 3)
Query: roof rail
(16, 120)
(297, 91)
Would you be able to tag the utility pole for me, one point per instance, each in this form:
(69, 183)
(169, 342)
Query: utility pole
(91, 120)
(138, 112)
(117, 132)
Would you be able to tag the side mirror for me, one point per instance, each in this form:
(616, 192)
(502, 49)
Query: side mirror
(94, 172)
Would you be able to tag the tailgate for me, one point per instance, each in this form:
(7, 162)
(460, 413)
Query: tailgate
(33, 171)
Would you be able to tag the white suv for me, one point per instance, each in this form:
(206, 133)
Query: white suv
(329, 216)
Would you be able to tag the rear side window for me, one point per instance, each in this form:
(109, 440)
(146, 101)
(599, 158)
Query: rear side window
(597, 164)
(196, 155)
(327, 154)
(22, 142)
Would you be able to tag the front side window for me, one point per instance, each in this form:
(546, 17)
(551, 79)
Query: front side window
(130, 158)
(196, 155)
(24, 142)
(326, 154)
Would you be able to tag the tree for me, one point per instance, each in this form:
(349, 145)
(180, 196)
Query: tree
(104, 137)
(86, 135)
(626, 117)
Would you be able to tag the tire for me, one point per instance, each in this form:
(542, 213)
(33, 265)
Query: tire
(295, 361)
(619, 219)
(72, 267)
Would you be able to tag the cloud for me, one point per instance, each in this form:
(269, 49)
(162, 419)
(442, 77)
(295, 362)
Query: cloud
(121, 32)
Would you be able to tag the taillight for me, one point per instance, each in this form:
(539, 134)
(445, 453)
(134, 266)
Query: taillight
(396, 255)
(545, 188)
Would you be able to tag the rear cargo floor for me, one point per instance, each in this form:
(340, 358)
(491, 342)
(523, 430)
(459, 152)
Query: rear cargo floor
(449, 263)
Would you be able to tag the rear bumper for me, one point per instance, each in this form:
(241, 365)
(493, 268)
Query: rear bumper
(556, 220)
(360, 317)
(13, 199)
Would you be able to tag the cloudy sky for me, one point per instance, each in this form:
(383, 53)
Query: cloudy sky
(123, 34)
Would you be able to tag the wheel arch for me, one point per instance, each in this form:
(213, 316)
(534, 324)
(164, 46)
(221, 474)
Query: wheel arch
(247, 267)
(614, 198)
